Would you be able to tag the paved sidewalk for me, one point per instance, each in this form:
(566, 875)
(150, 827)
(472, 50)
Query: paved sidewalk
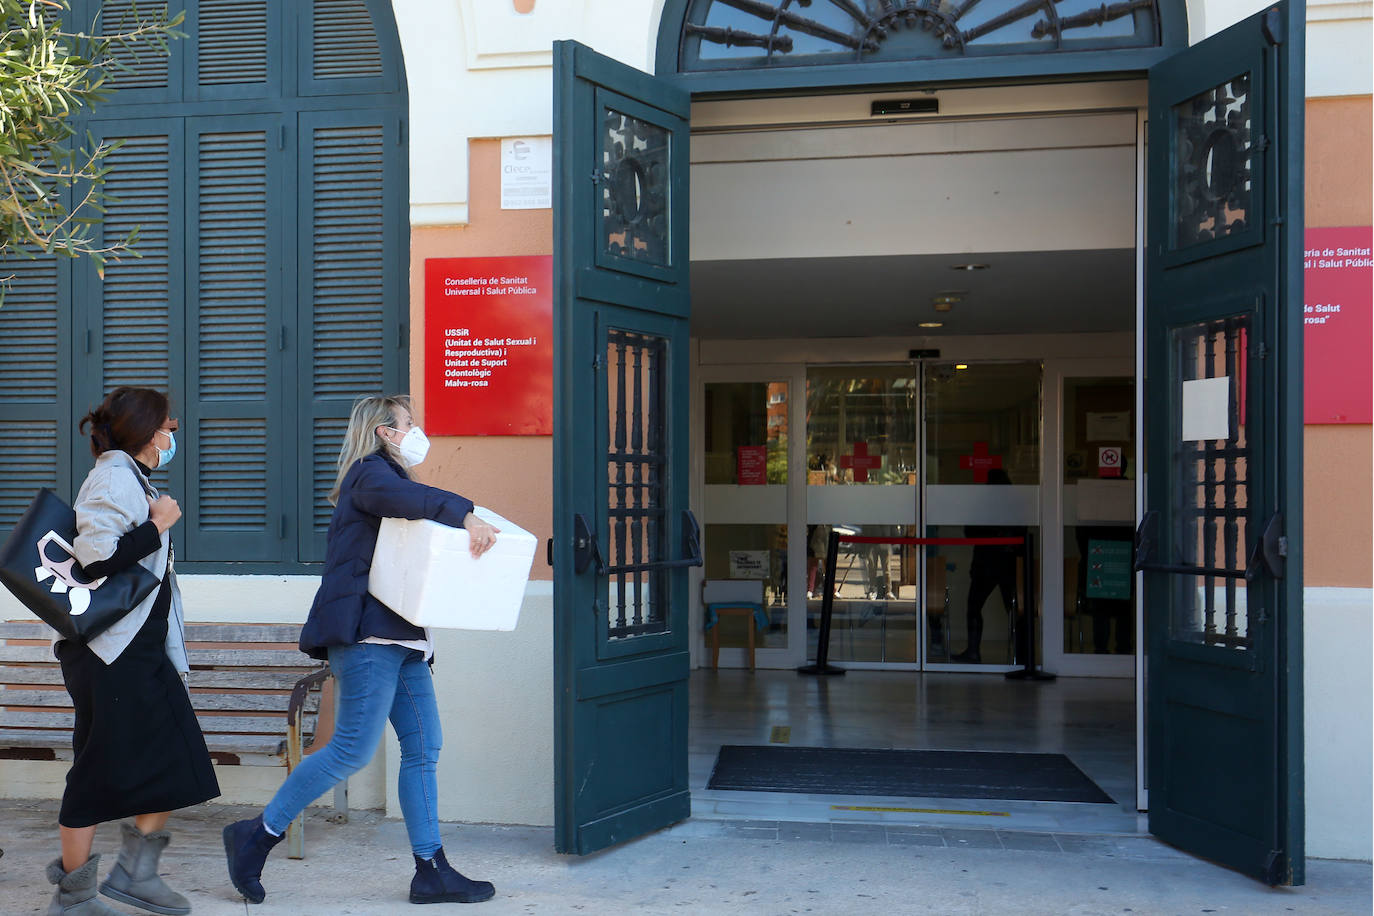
(737, 867)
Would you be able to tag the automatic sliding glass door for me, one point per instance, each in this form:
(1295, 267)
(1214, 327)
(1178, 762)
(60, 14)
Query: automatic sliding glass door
(982, 479)
(863, 453)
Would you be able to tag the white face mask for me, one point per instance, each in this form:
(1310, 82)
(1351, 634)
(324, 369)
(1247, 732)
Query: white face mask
(413, 447)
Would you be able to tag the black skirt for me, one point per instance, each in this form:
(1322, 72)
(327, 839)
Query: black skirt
(138, 748)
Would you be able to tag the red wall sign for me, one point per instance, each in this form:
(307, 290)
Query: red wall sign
(751, 465)
(1337, 326)
(489, 346)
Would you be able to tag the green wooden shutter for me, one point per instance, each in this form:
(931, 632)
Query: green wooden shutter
(130, 322)
(35, 388)
(352, 293)
(340, 49)
(231, 42)
(237, 442)
(145, 76)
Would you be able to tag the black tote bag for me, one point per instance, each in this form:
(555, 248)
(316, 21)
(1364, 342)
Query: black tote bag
(37, 566)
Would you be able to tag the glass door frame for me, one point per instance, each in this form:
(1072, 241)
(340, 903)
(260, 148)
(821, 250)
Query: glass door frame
(954, 355)
(916, 368)
(1075, 664)
(793, 653)
(1051, 573)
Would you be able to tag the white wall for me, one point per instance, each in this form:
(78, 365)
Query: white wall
(1338, 630)
(496, 705)
(1339, 58)
(477, 68)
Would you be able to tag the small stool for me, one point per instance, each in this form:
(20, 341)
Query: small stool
(747, 610)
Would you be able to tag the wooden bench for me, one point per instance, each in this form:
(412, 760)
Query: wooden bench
(258, 699)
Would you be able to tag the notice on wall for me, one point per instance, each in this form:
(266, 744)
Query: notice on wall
(1109, 461)
(1109, 570)
(1108, 427)
(1337, 325)
(751, 465)
(1206, 409)
(748, 564)
(489, 346)
(526, 173)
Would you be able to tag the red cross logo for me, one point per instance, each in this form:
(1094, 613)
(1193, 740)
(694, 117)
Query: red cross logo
(861, 462)
(980, 462)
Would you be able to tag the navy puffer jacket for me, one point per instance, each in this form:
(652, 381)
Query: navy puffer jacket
(343, 612)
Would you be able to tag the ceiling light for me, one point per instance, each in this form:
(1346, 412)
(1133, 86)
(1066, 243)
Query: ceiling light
(943, 302)
(932, 324)
(968, 267)
(961, 365)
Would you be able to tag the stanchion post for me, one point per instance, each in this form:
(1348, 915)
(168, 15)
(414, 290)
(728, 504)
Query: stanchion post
(822, 665)
(1028, 672)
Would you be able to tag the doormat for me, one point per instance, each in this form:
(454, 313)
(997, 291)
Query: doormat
(903, 773)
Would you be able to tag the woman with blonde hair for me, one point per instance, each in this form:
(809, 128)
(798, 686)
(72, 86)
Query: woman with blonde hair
(380, 661)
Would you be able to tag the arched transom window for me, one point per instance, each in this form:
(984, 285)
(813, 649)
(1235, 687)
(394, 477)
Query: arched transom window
(743, 34)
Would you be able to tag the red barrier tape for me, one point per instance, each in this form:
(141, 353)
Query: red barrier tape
(958, 542)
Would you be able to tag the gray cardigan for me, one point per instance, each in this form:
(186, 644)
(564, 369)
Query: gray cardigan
(112, 502)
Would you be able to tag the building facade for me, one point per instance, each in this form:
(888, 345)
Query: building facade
(282, 276)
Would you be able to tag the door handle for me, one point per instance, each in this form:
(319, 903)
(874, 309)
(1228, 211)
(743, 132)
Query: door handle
(586, 549)
(691, 539)
(1271, 550)
(1144, 547)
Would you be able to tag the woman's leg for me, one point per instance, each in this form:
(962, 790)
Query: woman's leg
(415, 717)
(151, 823)
(365, 676)
(76, 846)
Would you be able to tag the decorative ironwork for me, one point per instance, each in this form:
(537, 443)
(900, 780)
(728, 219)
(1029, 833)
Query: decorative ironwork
(636, 465)
(634, 188)
(1211, 499)
(718, 33)
(1213, 160)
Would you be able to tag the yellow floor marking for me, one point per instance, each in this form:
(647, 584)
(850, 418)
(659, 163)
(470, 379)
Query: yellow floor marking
(781, 734)
(919, 810)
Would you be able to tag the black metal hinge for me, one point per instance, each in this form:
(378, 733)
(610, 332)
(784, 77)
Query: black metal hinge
(1276, 868)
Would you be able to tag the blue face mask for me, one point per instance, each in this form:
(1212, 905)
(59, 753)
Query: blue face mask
(165, 455)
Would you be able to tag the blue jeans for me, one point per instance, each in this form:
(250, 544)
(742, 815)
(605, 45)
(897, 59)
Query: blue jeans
(374, 683)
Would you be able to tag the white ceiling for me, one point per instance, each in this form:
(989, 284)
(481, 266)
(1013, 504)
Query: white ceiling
(850, 231)
(1022, 292)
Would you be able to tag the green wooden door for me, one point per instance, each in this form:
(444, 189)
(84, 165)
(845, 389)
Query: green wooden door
(1220, 541)
(623, 533)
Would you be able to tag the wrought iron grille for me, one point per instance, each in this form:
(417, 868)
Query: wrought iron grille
(1213, 163)
(721, 34)
(634, 188)
(637, 478)
(1211, 496)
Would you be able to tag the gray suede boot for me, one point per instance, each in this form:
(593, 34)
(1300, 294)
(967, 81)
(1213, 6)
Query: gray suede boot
(75, 894)
(134, 879)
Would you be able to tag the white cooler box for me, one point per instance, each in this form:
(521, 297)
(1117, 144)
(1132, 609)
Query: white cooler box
(423, 571)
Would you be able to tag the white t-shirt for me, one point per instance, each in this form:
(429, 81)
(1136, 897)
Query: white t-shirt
(425, 645)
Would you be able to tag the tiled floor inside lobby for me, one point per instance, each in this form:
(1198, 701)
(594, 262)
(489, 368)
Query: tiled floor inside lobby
(1091, 720)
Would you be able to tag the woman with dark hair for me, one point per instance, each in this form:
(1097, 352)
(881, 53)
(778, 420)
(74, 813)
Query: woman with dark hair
(138, 751)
